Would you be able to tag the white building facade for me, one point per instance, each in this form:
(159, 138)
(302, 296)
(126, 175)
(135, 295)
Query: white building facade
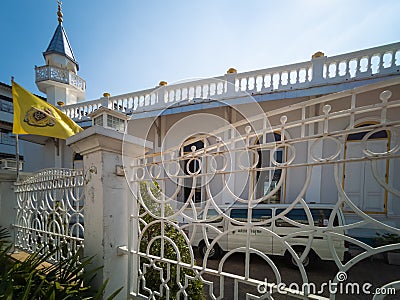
(313, 112)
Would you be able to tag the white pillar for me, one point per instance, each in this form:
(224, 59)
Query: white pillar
(107, 201)
(317, 69)
(8, 201)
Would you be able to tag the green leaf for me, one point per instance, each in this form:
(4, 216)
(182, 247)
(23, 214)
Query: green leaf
(113, 295)
(100, 292)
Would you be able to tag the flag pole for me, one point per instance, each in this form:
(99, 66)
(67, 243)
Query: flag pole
(16, 143)
(17, 154)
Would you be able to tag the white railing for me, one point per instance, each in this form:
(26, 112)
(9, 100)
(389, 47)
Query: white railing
(60, 75)
(375, 62)
(275, 79)
(378, 61)
(50, 213)
(81, 110)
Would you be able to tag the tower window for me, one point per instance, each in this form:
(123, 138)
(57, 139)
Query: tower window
(98, 120)
(115, 123)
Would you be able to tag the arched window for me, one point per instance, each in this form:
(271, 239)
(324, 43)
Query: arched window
(266, 180)
(191, 166)
(360, 135)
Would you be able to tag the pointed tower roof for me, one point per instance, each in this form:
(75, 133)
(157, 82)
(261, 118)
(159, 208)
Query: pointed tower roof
(59, 43)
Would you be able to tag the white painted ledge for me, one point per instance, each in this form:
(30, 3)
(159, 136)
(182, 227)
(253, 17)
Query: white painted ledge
(98, 138)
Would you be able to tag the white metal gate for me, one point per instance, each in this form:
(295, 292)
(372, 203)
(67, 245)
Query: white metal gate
(226, 167)
(50, 212)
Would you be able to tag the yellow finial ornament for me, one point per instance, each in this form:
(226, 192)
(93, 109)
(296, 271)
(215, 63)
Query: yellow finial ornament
(59, 13)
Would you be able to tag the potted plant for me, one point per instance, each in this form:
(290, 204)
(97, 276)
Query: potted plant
(393, 256)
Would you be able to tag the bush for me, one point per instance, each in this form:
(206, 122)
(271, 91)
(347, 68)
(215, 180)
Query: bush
(388, 239)
(29, 279)
(152, 275)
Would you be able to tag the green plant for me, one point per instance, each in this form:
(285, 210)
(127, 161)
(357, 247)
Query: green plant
(152, 274)
(30, 279)
(388, 239)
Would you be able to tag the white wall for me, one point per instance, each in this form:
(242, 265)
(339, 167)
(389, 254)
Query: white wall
(8, 201)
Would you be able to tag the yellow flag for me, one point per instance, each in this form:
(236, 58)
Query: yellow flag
(33, 115)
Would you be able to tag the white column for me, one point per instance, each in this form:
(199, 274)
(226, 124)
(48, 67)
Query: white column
(317, 69)
(107, 201)
(230, 78)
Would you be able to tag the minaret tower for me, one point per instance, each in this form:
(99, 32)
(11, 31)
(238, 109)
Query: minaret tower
(58, 79)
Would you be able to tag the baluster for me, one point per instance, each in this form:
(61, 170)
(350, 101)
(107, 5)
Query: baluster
(369, 66)
(262, 82)
(358, 66)
(337, 64)
(393, 62)
(151, 102)
(380, 66)
(347, 68)
(189, 94)
(167, 96)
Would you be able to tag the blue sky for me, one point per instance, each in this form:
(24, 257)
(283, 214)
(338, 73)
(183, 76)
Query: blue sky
(129, 45)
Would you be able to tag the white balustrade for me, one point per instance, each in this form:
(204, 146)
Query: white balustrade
(378, 61)
(374, 62)
(81, 110)
(60, 75)
(273, 79)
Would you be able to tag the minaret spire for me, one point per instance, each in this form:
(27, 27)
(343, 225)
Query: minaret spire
(59, 77)
(59, 13)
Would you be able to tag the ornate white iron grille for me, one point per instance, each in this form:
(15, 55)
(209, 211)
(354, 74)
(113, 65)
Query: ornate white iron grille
(304, 143)
(50, 212)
